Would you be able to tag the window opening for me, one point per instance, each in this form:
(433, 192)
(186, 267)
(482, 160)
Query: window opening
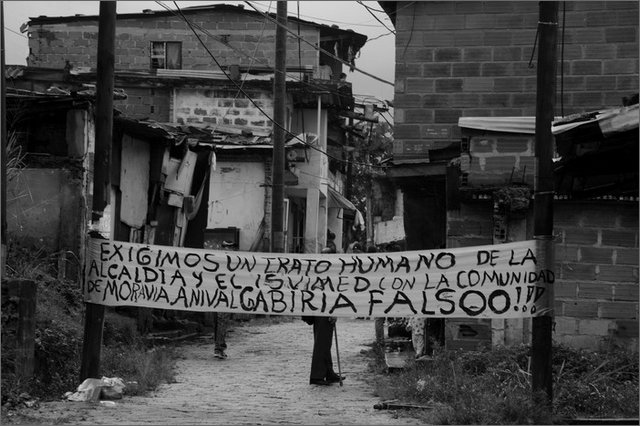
(166, 55)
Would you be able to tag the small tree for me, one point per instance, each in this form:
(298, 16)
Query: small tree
(369, 158)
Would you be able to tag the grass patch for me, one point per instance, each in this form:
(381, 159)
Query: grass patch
(149, 367)
(59, 332)
(493, 386)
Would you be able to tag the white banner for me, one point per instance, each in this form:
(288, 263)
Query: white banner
(496, 281)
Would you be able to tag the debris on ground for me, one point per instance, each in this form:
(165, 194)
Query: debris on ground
(93, 390)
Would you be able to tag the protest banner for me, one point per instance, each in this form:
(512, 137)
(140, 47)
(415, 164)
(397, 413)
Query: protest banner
(493, 281)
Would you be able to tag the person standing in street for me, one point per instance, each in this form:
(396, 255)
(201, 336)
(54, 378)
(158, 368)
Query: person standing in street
(322, 373)
(221, 319)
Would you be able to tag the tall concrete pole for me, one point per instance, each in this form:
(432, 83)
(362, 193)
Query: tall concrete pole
(541, 338)
(279, 112)
(94, 314)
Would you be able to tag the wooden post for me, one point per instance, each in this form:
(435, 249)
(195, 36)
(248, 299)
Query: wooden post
(348, 185)
(279, 109)
(3, 152)
(541, 338)
(94, 314)
(26, 330)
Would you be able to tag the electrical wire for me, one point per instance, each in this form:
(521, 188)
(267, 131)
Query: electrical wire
(241, 52)
(364, 24)
(369, 7)
(377, 19)
(246, 76)
(319, 49)
(356, 24)
(385, 119)
(249, 97)
(413, 21)
(15, 32)
(535, 43)
(380, 36)
(253, 57)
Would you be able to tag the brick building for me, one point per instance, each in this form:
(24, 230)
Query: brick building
(183, 69)
(162, 41)
(464, 105)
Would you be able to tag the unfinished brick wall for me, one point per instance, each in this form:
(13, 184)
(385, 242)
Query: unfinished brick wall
(223, 107)
(597, 259)
(253, 41)
(458, 59)
(141, 102)
(596, 293)
(493, 158)
(471, 225)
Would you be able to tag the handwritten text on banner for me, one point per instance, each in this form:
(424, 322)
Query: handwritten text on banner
(496, 281)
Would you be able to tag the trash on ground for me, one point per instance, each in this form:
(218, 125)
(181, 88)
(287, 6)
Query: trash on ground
(107, 388)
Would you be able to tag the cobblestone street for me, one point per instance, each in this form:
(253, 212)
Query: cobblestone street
(265, 380)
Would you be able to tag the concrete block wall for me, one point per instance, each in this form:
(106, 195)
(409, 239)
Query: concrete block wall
(52, 45)
(597, 268)
(143, 102)
(223, 107)
(596, 292)
(497, 159)
(471, 225)
(471, 58)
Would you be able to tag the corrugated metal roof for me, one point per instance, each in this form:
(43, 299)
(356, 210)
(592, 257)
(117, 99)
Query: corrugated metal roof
(610, 121)
(221, 137)
(526, 125)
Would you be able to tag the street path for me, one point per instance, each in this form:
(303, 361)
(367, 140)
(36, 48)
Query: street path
(265, 380)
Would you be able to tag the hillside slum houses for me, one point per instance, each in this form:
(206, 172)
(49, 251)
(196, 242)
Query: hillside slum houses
(463, 149)
(191, 153)
(464, 155)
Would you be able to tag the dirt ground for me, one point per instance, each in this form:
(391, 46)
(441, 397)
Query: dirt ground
(265, 380)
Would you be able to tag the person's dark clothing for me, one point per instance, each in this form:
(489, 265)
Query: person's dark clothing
(321, 362)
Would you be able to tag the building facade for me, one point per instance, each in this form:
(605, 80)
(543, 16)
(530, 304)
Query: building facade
(211, 68)
(462, 64)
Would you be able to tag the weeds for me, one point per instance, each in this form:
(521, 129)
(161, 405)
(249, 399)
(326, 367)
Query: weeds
(148, 367)
(493, 386)
(58, 340)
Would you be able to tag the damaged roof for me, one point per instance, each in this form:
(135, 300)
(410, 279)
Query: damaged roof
(219, 138)
(599, 153)
(597, 150)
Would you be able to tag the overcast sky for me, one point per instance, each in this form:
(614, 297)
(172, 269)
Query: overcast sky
(377, 57)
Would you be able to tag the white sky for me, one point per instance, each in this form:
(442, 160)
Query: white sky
(376, 57)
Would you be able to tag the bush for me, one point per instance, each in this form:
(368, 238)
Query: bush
(494, 386)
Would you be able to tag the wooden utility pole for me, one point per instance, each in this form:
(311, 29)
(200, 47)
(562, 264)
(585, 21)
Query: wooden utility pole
(3, 152)
(94, 314)
(279, 109)
(541, 339)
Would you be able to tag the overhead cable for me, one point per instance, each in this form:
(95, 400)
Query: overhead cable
(377, 19)
(293, 136)
(319, 49)
(241, 52)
